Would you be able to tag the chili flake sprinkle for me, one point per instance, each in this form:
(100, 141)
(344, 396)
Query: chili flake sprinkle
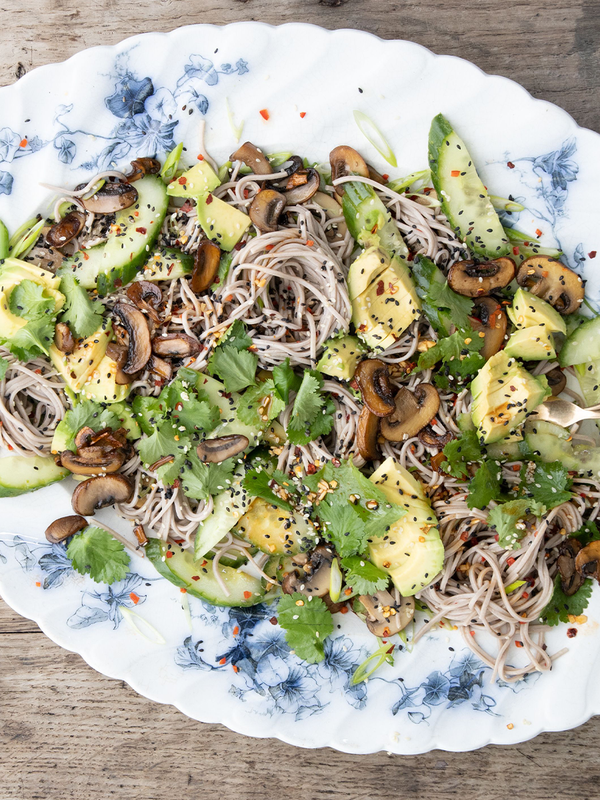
(264, 113)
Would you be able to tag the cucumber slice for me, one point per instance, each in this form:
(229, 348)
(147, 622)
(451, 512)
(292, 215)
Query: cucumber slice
(465, 200)
(229, 507)
(167, 265)
(21, 474)
(588, 376)
(115, 263)
(583, 345)
(177, 565)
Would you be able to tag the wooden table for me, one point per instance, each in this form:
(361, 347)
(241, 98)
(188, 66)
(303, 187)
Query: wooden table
(67, 732)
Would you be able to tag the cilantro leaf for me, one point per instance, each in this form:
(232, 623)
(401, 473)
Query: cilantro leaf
(460, 452)
(163, 443)
(33, 339)
(561, 605)
(549, 484)
(343, 527)
(4, 365)
(442, 306)
(459, 356)
(28, 300)
(149, 411)
(236, 368)
(363, 576)
(440, 295)
(508, 521)
(285, 380)
(200, 481)
(262, 396)
(236, 336)
(587, 533)
(82, 315)
(306, 626)
(312, 414)
(196, 415)
(485, 485)
(258, 483)
(95, 552)
(86, 415)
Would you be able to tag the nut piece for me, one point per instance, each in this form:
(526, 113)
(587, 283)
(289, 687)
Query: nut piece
(549, 279)
(344, 161)
(413, 411)
(105, 490)
(385, 617)
(366, 434)
(62, 528)
(474, 279)
(372, 377)
(214, 451)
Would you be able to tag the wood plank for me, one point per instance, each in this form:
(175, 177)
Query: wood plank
(67, 733)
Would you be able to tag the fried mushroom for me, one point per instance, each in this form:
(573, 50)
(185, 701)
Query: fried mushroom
(478, 278)
(413, 411)
(549, 279)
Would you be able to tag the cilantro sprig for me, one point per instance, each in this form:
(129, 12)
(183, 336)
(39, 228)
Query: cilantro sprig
(30, 301)
(460, 453)
(96, 553)
(307, 622)
(549, 483)
(313, 411)
(231, 360)
(363, 576)
(509, 521)
(458, 356)
(485, 485)
(443, 307)
(82, 314)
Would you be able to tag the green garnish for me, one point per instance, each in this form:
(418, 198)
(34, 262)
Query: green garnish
(508, 519)
(96, 553)
(363, 576)
(82, 314)
(312, 414)
(307, 622)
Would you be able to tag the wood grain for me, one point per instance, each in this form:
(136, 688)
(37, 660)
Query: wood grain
(67, 733)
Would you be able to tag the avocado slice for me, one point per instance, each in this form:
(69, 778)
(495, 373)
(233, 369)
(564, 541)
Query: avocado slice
(167, 265)
(12, 273)
(76, 367)
(531, 344)
(223, 224)
(504, 393)
(195, 182)
(341, 355)
(528, 310)
(21, 474)
(384, 297)
(101, 385)
(411, 551)
(276, 531)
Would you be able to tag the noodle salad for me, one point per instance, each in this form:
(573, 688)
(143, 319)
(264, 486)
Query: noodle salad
(310, 385)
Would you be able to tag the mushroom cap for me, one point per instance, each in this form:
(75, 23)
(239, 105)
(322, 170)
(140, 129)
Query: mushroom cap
(111, 197)
(143, 166)
(266, 208)
(301, 186)
(253, 158)
(160, 367)
(367, 433)
(385, 616)
(104, 490)
(571, 580)
(118, 353)
(206, 266)
(139, 348)
(413, 411)
(477, 278)
(489, 319)
(372, 377)
(62, 528)
(311, 574)
(587, 561)
(344, 161)
(93, 460)
(66, 229)
(430, 438)
(549, 279)
(214, 451)
(175, 345)
(147, 296)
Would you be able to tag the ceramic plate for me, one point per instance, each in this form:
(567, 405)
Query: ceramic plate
(60, 124)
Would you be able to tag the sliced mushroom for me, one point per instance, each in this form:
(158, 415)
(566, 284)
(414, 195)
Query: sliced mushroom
(587, 561)
(430, 438)
(104, 490)
(63, 338)
(206, 266)
(146, 296)
(141, 167)
(549, 279)
(385, 616)
(160, 367)
(477, 278)
(175, 345)
(214, 451)
(373, 379)
(83, 437)
(66, 229)
(413, 411)
(490, 320)
(366, 434)
(302, 186)
(556, 381)
(266, 208)
(374, 175)
(139, 348)
(109, 438)
(93, 460)
(253, 158)
(118, 353)
(111, 197)
(344, 161)
(571, 580)
(311, 574)
(62, 528)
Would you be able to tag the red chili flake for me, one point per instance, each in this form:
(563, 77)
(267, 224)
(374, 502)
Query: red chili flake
(515, 251)
(380, 288)
(38, 371)
(187, 206)
(264, 113)
(86, 256)
(182, 180)
(410, 256)
(335, 462)
(510, 165)
(302, 114)
(464, 536)
(209, 199)
(510, 561)
(236, 630)
(238, 247)
(525, 595)
(141, 230)
(223, 661)
(519, 644)
(472, 633)
(311, 469)
(179, 407)
(247, 595)
(169, 554)
(497, 537)
(538, 232)
(183, 590)
(309, 243)
(235, 669)
(195, 577)
(134, 598)
(354, 385)
(245, 193)
(200, 157)
(344, 610)
(269, 246)
(23, 143)
(273, 620)
(385, 176)
(572, 633)
(455, 173)
(374, 229)
(37, 583)
(592, 254)
(176, 483)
